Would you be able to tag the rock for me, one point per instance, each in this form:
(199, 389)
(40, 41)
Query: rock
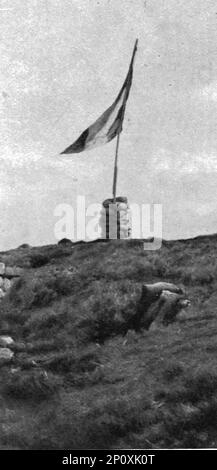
(2, 269)
(5, 355)
(6, 284)
(12, 271)
(189, 409)
(1, 282)
(150, 303)
(2, 293)
(159, 287)
(171, 304)
(14, 370)
(5, 341)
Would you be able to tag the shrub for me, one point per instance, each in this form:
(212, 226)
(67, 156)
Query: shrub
(173, 371)
(33, 385)
(198, 275)
(45, 320)
(70, 424)
(106, 311)
(65, 242)
(72, 360)
(101, 321)
(37, 260)
(112, 419)
(41, 291)
(134, 269)
(200, 385)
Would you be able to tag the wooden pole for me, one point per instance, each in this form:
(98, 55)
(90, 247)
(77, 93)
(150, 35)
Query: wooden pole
(115, 169)
(126, 84)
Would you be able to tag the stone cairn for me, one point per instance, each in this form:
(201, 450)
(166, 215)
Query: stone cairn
(115, 220)
(7, 276)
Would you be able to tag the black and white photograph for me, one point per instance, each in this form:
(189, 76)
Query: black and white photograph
(108, 228)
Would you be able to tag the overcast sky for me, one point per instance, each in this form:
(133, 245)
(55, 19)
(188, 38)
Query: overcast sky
(62, 64)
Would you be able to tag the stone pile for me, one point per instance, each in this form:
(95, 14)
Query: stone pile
(115, 219)
(7, 276)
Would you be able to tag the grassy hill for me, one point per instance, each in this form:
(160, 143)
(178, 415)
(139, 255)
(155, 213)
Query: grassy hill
(74, 382)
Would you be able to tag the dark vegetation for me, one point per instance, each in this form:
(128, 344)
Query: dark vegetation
(75, 381)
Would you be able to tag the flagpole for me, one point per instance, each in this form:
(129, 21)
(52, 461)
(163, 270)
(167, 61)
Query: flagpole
(118, 136)
(116, 169)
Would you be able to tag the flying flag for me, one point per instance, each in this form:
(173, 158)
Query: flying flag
(109, 124)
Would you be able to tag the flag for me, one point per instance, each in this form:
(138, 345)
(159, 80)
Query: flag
(109, 124)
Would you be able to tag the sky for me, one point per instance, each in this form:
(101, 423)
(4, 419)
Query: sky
(62, 64)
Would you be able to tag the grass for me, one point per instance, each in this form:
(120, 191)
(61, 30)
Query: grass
(76, 382)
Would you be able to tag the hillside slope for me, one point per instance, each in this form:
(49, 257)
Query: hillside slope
(74, 382)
